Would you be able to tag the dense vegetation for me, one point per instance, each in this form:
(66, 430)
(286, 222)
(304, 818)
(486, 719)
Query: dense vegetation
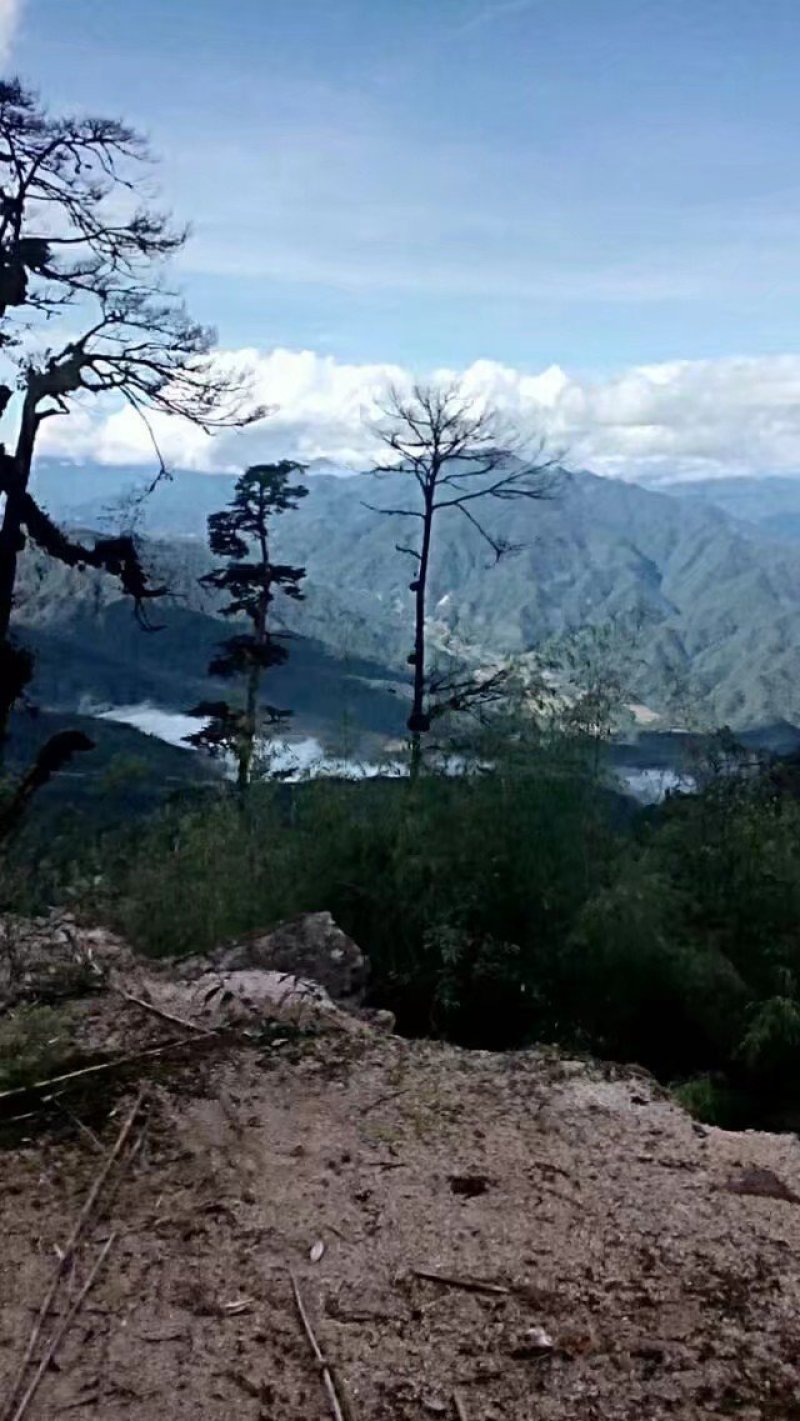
(530, 904)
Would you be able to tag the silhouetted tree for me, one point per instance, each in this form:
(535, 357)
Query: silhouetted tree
(455, 455)
(250, 579)
(77, 252)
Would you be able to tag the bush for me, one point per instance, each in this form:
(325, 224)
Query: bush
(520, 905)
(461, 889)
(35, 1043)
(710, 1099)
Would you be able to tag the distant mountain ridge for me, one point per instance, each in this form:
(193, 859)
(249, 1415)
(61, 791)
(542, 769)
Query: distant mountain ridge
(718, 604)
(770, 505)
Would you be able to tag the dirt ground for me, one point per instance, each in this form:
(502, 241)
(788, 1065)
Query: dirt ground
(631, 1277)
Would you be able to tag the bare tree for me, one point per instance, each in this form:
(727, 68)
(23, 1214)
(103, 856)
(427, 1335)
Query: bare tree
(455, 455)
(79, 253)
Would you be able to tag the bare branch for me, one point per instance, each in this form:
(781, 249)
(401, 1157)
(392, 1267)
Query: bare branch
(397, 512)
(410, 552)
(457, 452)
(501, 547)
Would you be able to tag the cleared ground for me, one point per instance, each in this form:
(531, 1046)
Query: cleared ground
(586, 1211)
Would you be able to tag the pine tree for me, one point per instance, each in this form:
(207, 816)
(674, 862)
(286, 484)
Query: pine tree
(250, 579)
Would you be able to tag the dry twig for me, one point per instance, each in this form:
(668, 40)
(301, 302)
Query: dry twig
(80, 1125)
(61, 1331)
(460, 1406)
(385, 1099)
(118, 1062)
(164, 1015)
(471, 1285)
(327, 1377)
(68, 1251)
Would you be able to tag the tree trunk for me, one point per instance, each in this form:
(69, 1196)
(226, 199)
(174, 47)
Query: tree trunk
(247, 746)
(16, 474)
(417, 719)
(10, 540)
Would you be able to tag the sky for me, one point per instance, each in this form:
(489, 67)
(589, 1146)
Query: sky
(591, 206)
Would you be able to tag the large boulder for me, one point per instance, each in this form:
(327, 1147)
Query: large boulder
(310, 948)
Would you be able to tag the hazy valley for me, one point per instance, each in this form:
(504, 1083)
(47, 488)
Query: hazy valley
(702, 605)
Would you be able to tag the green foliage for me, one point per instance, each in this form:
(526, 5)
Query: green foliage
(35, 1043)
(462, 889)
(708, 1098)
(771, 1045)
(249, 579)
(521, 904)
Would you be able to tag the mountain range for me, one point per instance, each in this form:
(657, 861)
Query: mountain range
(705, 600)
(771, 504)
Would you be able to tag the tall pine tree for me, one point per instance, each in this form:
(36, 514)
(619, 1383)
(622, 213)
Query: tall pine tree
(240, 534)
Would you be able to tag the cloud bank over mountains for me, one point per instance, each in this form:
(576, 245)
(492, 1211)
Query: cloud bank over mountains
(681, 419)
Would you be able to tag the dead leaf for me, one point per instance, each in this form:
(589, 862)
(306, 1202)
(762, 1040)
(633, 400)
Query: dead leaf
(317, 1251)
(236, 1306)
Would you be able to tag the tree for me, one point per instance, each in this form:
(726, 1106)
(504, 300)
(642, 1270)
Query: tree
(458, 455)
(77, 251)
(240, 533)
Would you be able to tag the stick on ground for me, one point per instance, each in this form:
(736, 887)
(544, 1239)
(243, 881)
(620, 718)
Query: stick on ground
(164, 1015)
(385, 1099)
(471, 1285)
(330, 1387)
(460, 1406)
(117, 1063)
(61, 1331)
(69, 1249)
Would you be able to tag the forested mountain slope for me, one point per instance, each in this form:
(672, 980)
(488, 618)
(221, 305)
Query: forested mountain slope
(716, 609)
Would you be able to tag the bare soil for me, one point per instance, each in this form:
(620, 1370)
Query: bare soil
(650, 1251)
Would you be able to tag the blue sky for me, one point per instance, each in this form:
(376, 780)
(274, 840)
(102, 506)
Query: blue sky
(591, 207)
(595, 183)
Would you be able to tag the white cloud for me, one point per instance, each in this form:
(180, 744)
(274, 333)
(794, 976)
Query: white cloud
(494, 13)
(684, 418)
(10, 11)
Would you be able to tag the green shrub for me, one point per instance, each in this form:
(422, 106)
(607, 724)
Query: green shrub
(711, 1100)
(770, 1048)
(461, 889)
(35, 1043)
(520, 905)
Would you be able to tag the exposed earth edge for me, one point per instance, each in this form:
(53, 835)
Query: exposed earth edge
(623, 1261)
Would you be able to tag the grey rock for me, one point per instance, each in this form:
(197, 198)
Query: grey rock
(310, 947)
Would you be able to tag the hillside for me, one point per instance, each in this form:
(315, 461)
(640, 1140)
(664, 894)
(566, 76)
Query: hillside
(91, 653)
(769, 505)
(714, 606)
(718, 610)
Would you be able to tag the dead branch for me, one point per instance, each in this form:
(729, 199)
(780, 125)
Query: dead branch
(330, 1386)
(116, 1064)
(61, 1332)
(470, 1285)
(80, 1125)
(165, 1015)
(385, 1099)
(9, 1414)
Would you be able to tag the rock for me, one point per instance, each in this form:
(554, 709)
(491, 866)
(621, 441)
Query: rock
(230, 997)
(237, 998)
(311, 948)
